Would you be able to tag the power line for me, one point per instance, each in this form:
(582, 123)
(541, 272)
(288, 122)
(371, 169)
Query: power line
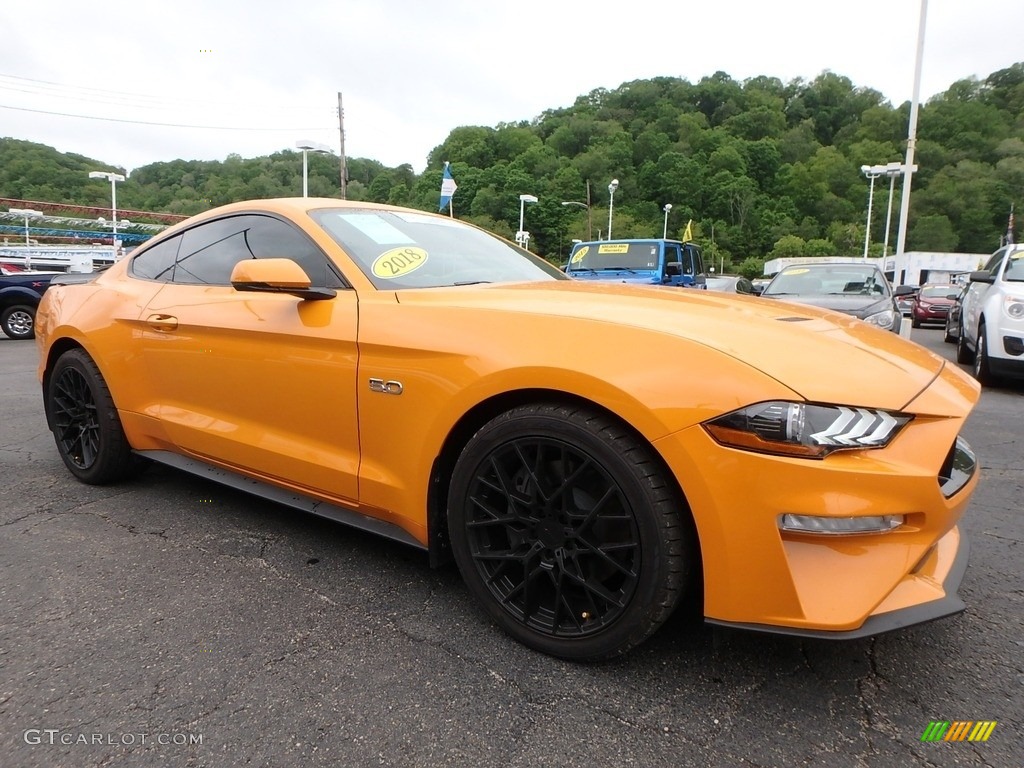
(148, 122)
(88, 93)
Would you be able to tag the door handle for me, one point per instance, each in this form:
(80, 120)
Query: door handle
(162, 322)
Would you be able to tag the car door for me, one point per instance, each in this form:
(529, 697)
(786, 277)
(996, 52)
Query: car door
(974, 299)
(261, 382)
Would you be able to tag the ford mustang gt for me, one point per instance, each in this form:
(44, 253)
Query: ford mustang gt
(586, 453)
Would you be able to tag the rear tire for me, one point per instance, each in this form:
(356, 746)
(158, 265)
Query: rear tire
(85, 422)
(567, 531)
(18, 322)
(964, 355)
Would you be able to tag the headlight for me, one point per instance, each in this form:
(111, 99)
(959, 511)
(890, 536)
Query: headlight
(1013, 307)
(804, 430)
(884, 319)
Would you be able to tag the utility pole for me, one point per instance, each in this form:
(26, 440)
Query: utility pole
(344, 165)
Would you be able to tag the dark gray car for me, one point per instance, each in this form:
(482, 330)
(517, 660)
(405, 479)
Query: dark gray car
(859, 289)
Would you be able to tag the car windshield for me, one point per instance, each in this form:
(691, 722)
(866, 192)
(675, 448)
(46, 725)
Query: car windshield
(405, 249)
(828, 280)
(640, 255)
(938, 291)
(1015, 268)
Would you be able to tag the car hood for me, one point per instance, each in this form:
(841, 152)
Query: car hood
(824, 356)
(858, 305)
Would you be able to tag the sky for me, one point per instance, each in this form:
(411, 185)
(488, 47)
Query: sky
(133, 82)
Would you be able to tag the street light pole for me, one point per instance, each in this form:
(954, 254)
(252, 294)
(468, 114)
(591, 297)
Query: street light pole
(611, 204)
(872, 172)
(908, 166)
(113, 178)
(522, 236)
(581, 205)
(308, 146)
(26, 214)
(664, 232)
(892, 170)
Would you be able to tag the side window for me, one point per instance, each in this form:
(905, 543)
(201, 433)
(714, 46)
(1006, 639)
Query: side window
(274, 239)
(697, 257)
(993, 263)
(673, 261)
(157, 261)
(210, 251)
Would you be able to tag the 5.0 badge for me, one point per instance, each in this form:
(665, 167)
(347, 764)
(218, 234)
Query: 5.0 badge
(387, 387)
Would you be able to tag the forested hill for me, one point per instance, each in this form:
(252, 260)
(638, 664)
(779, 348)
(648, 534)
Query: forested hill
(762, 167)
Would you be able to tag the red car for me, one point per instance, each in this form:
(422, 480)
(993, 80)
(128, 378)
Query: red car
(932, 303)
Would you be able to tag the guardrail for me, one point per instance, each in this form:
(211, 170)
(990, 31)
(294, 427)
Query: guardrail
(59, 258)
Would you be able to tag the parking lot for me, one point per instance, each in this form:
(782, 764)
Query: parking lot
(170, 621)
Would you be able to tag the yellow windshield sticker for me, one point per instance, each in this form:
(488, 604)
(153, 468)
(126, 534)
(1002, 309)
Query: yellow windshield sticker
(580, 254)
(796, 271)
(398, 262)
(613, 248)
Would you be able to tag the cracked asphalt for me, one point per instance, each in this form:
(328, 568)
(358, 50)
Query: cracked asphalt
(170, 621)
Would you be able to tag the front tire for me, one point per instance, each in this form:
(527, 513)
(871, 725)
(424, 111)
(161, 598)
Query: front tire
(85, 422)
(568, 532)
(982, 369)
(18, 322)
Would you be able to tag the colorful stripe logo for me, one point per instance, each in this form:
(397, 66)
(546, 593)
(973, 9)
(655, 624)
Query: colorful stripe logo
(958, 730)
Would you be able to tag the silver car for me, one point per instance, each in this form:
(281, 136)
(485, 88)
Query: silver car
(858, 288)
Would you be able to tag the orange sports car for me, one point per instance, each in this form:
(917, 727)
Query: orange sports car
(586, 453)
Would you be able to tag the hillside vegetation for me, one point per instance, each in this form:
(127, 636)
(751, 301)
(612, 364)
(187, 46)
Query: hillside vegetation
(763, 168)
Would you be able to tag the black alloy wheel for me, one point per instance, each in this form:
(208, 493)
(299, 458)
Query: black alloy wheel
(85, 423)
(566, 531)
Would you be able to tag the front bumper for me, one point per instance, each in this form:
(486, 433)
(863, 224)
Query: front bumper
(758, 576)
(930, 315)
(949, 557)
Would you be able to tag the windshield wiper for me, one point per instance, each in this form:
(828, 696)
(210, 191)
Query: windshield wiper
(622, 269)
(471, 282)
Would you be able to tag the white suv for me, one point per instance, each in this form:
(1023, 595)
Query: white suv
(992, 318)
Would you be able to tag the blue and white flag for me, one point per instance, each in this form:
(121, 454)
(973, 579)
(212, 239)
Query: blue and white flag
(448, 187)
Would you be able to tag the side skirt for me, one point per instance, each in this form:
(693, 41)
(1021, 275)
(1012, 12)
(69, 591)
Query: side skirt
(282, 496)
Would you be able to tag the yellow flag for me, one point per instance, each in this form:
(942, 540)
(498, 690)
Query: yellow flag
(688, 234)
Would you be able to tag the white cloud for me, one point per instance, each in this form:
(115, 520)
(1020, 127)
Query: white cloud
(410, 71)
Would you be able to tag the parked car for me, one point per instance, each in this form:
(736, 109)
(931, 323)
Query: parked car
(952, 332)
(992, 318)
(588, 453)
(859, 289)
(729, 284)
(20, 292)
(932, 303)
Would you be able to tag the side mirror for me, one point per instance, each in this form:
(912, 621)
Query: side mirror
(982, 276)
(904, 290)
(757, 289)
(276, 276)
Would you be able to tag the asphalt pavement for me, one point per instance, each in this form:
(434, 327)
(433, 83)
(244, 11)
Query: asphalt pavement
(169, 621)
